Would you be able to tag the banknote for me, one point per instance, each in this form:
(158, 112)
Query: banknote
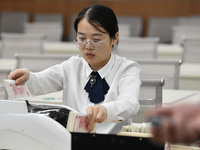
(16, 91)
(76, 122)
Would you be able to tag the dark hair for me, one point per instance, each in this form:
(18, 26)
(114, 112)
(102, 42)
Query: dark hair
(99, 16)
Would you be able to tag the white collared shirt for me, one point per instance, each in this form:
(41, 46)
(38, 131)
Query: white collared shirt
(71, 76)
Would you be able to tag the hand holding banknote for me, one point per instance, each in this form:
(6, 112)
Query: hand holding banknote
(95, 114)
(86, 123)
(19, 75)
(77, 122)
(16, 91)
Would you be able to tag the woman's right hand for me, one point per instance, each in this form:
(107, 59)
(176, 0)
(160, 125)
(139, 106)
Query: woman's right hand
(19, 75)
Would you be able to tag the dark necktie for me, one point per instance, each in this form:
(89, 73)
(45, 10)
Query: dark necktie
(96, 87)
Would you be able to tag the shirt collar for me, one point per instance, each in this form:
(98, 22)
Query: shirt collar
(103, 71)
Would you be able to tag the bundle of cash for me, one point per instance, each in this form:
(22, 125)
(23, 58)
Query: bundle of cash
(76, 122)
(137, 127)
(16, 91)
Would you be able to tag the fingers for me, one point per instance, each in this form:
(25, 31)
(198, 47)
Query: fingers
(90, 119)
(160, 111)
(19, 75)
(180, 124)
(166, 131)
(95, 114)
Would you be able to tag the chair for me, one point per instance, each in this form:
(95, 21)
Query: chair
(181, 31)
(47, 17)
(21, 43)
(52, 30)
(191, 50)
(169, 70)
(131, 25)
(150, 97)
(12, 21)
(161, 27)
(39, 62)
(192, 20)
(138, 47)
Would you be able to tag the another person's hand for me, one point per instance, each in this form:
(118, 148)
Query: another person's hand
(19, 75)
(180, 124)
(95, 114)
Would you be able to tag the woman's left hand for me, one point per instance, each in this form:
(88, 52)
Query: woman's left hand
(95, 114)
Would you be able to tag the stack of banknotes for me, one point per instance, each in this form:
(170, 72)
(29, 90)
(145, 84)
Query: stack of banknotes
(137, 127)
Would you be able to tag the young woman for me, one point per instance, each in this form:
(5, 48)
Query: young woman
(109, 96)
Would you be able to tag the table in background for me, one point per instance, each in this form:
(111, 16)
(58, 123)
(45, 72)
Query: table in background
(171, 96)
(190, 76)
(169, 51)
(6, 63)
(61, 47)
(165, 51)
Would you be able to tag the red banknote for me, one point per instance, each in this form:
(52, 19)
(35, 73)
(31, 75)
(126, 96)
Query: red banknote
(16, 91)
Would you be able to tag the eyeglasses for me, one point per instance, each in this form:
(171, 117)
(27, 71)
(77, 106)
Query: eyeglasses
(81, 43)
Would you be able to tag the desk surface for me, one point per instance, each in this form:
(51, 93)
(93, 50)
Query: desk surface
(53, 98)
(169, 49)
(190, 76)
(190, 70)
(170, 96)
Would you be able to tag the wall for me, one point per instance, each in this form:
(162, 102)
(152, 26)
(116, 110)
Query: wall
(144, 8)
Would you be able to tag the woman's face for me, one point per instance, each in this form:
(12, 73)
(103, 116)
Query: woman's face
(97, 53)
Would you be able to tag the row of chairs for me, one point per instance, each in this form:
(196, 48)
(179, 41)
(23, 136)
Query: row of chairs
(180, 32)
(147, 48)
(18, 22)
(130, 26)
(136, 47)
(132, 48)
(160, 27)
(21, 43)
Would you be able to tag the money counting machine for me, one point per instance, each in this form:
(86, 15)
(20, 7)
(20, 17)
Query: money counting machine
(24, 126)
(21, 130)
